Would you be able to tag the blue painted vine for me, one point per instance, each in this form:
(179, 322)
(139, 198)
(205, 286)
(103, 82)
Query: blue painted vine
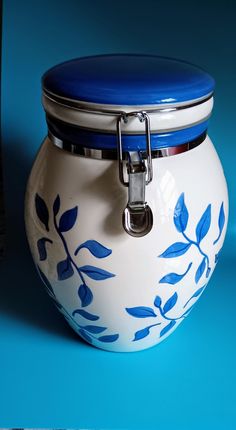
(177, 249)
(68, 267)
(161, 310)
(221, 223)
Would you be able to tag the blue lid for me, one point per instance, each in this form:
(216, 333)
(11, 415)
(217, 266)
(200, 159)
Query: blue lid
(128, 79)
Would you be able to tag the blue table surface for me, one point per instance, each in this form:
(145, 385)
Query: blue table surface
(48, 377)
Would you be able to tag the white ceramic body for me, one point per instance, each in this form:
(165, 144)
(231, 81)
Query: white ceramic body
(121, 307)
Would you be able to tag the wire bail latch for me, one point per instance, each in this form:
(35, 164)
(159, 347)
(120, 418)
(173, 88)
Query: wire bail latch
(137, 216)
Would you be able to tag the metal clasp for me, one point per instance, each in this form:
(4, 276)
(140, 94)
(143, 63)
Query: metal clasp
(137, 216)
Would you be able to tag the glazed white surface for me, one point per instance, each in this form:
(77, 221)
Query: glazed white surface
(93, 186)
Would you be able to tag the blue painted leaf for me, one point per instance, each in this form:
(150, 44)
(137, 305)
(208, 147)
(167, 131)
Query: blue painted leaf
(217, 256)
(167, 328)
(170, 303)
(108, 338)
(181, 214)
(95, 248)
(68, 219)
(157, 302)
(221, 222)
(141, 312)
(175, 250)
(203, 224)
(85, 336)
(187, 312)
(56, 205)
(200, 270)
(85, 295)
(94, 329)
(173, 278)
(96, 273)
(196, 294)
(64, 269)
(141, 334)
(41, 245)
(45, 281)
(42, 210)
(85, 314)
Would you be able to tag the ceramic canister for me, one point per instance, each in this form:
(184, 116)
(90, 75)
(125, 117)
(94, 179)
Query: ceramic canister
(126, 205)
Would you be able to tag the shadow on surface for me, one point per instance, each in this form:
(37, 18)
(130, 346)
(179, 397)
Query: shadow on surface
(23, 298)
(22, 295)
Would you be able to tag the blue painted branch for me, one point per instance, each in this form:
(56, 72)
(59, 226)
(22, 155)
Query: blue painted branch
(192, 242)
(67, 251)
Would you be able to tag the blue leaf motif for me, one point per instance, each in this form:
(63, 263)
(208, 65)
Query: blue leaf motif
(42, 210)
(56, 205)
(108, 338)
(173, 278)
(196, 294)
(157, 302)
(64, 270)
(96, 273)
(187, 312)
(68, 219)
(167, 328)
(200, 270)
(85, 295)
(85, 314)
(217, 256)
(181, 214)
(170, 303)
(46, 282)
(95, 248)
(141, 312)
(41, 245)
(203, 224)
(94, 329)
(175, 250)
(141, 334)
(221, 222)
(85, 336)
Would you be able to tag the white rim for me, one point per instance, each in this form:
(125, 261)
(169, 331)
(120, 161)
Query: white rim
(162, 118)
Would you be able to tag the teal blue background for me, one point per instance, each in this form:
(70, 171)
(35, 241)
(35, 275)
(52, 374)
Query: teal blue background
(48, 378)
